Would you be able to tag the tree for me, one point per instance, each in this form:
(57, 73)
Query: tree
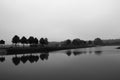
(36, 41)
(90, 42)
(98, 41)
(42, 41)
(15, 39)
(2, 42)
(68, 42)
(46, 41)
(23, 40)
(83, 43)
(31, 40)
(76, 41)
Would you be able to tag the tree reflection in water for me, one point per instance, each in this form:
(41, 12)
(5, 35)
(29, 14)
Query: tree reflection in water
(68, 53)
(2, 59)
(76, 53)
(24, 59)
(16, 60)
(31, 58)
(44, 56)
(98, 52)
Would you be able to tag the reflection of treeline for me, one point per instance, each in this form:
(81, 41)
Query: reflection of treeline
(31, 58)
(98, 52)
(75, 53)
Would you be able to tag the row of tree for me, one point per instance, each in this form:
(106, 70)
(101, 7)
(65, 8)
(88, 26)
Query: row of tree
(79, 42)
(31, 58)
(76, 41)
(31, 40)
(44, 41)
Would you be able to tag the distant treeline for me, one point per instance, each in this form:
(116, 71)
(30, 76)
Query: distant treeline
(44, 41)
(33, 41)
(111, 42)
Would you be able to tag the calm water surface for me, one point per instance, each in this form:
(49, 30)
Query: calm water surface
(99, 63)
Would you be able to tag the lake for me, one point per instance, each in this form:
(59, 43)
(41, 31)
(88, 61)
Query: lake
(97, 63)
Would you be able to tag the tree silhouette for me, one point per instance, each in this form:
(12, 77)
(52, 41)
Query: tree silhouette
(15, 39)
(76, 41)
(42, 41)
(46, 41)
(68, 42)
(98, 41)
(36, 41)
(31, 40)
(2, 42)
(23, 40)
(90, 42)
(83, 43)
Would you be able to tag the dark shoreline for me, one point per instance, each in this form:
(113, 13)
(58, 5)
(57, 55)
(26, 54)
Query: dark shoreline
(25, 50)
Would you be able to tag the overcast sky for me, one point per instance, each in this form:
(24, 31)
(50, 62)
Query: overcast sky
(60, 19)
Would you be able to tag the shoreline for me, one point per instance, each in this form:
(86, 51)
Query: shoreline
(32, 50)
(25, 50)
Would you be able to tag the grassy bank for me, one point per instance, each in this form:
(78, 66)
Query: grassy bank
(23, 50)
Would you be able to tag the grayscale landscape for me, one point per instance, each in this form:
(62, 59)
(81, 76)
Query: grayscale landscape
(59, 40)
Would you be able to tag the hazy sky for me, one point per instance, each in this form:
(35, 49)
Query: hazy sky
(60, 19)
